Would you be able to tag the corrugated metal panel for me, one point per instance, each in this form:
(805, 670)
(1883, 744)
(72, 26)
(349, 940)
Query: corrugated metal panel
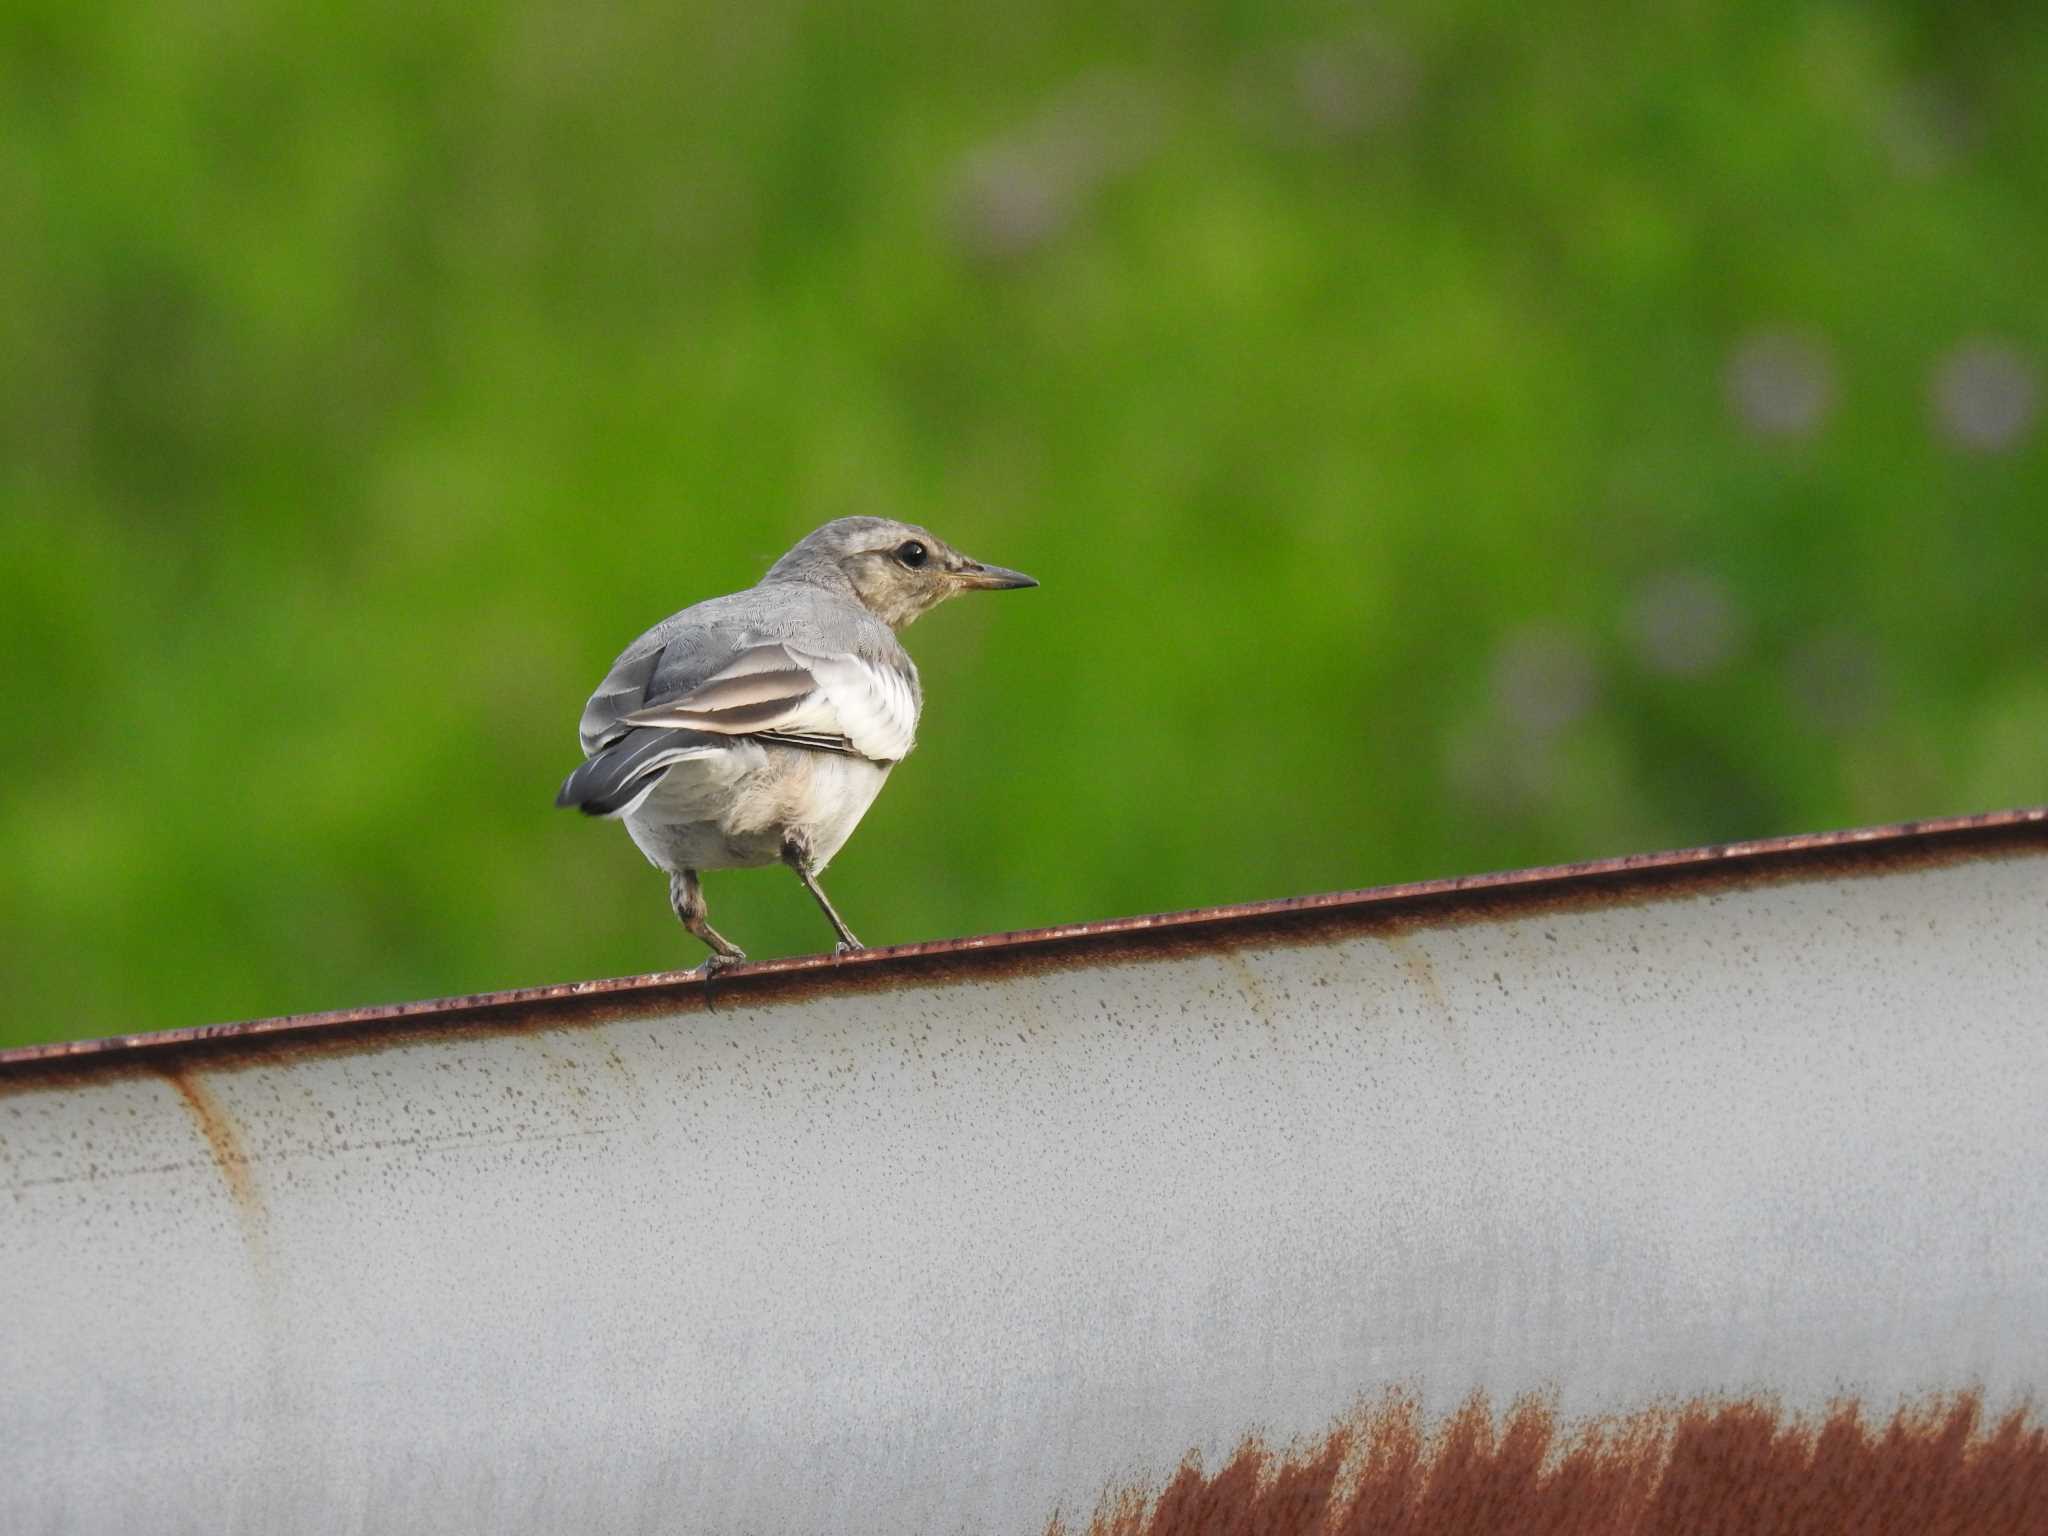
(1699, 1148)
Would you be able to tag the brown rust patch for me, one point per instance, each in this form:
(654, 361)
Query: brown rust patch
(217, 1128)
(1705, 1466)
(1636, 880)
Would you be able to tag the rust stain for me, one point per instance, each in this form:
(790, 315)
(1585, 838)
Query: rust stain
(217, 1128)
(1704, 1466)
(1248, 984)
(1600, 885)
(1420, 971)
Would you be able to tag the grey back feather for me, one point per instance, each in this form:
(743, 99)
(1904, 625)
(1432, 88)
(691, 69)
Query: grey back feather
(685, 649)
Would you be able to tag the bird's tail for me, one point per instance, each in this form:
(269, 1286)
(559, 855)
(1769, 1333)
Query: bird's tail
(615, 780)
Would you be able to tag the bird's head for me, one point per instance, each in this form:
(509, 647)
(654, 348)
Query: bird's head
(897, 570)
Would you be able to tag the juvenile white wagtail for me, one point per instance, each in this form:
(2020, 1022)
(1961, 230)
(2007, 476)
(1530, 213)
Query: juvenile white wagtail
(757, 728)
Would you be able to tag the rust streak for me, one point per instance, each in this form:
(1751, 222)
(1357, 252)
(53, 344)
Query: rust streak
(1420, 971)
(1415, 965)
(218, 1130)
(1248, 984)
(1723, 1466)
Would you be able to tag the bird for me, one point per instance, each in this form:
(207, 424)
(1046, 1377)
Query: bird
(757, 728)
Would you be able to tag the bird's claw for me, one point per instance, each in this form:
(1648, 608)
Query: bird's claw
(842, 949)
(715, 963)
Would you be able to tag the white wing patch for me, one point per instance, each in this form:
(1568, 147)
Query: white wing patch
(777, 690)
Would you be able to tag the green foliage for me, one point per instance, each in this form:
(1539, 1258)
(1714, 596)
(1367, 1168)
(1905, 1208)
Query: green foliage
(1450, 436)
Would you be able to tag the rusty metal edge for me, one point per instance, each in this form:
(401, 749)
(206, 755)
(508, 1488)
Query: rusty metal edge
(1597, 881)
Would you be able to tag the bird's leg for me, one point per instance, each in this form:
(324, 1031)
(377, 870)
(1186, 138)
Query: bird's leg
(686, 895)
(798, 858)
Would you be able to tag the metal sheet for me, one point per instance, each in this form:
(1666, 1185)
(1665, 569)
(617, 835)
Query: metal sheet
(968, 1237)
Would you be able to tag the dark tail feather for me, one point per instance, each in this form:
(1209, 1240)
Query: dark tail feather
(612, 779)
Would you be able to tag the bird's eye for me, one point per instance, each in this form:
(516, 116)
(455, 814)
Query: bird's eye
(913, 554)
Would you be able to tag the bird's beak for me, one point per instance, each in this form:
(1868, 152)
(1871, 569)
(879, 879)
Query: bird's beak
(992, 578)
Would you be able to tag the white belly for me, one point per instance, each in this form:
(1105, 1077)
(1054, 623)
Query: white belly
(735, 807)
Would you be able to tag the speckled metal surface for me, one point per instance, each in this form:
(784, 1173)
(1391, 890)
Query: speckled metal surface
(963, 1240)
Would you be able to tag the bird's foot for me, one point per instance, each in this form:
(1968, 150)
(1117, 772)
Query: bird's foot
(714, 963)
(847, 947)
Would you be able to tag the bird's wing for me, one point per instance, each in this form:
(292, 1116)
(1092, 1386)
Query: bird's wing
(623, 690)
(678, 655)
(830, 703)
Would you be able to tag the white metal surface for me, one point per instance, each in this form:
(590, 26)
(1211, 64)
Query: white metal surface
(958, 1253)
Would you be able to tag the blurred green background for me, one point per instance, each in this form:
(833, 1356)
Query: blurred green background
(1450, 436)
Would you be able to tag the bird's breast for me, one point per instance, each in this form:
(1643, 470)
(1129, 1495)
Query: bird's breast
(824, 800)
(736, 809)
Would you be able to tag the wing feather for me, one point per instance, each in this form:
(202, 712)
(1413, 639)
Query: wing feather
(825, 702)
(623, 690)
